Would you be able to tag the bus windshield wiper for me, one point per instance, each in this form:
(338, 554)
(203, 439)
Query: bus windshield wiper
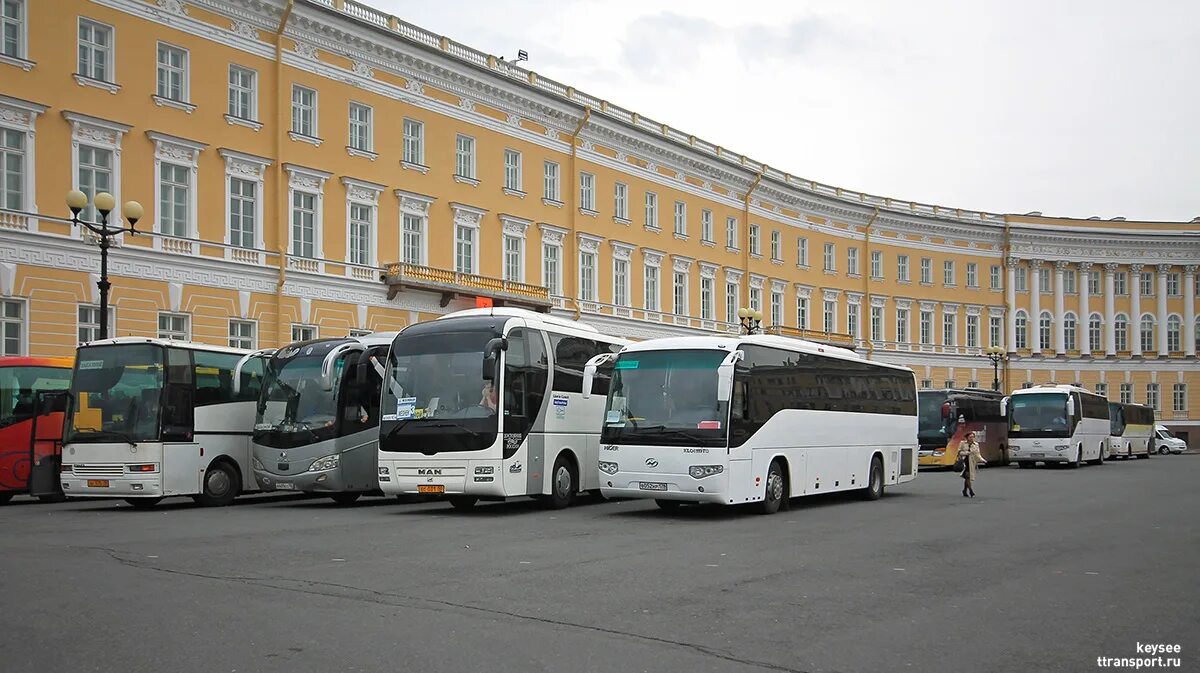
(97, 431)
(664, 430)
(449, 424)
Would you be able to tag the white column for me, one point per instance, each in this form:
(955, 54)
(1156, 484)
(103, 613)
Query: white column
(1135, 307)
(1035, 305)
(1163, 270)
(1010, 289)
(1060, 346)
(1082, 332)
(1189, 310)
(1110, 311)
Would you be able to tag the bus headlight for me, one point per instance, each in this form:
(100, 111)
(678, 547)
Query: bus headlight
(607, 467)
(702, 471)
(1061, 447)
(65, 467)
(325, 463)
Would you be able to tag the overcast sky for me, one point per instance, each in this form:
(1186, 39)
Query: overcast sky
(1073, 108)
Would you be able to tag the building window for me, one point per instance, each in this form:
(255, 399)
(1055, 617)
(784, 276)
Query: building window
(1020, 276)
(852, 261)
(706, 226)
(464, 157)
(1173, 284)
(512, 171)
(621, 201)
(1119, 283)
(852, 320)
(514, 263)
(1147, 280)
(551, 273)
(995, 330)
(972, 274)
(1179, 398)
(651, 288)
(1069, 281)
(731, 233)
(876, 323)
(1174, 325)
(587, 276)
(876, 264)
(304, 332)
(731, 302)
(651, 210)
(926, 270)
(304, 224)
(95, 176)
(926, 318)
(12, 23)
(776, 246)
(1152, 396)
(1126, 392)
(1044, 280)
(802, 251)
(414, 142)
(756, 298)
(1121, 332)
(243, 213)
(242, 334)
(947, 272)
(304, 111)
(995, 277)
(755, 248)
(926, 384)
(587, 191)
(243, 93)
(802, 312)
(830, 262)
(706, 298)
(1022, 330)
(360, 128)
(1045, 325)
(12, 327)
(89, 323)
(12, 169)
(902, 268)
(776, 308)
(1101, 389)
(902, 325)
(1095, 329)
(680, 218)
(620, 282)
(830, 316)
(1069, 330)
(95, 50)
(174, 185)
(464, 248)
(1147, 332)
(413, 243)
(362, 217)
(949, 329)
(679, 287)
(972, 331)
(550, 189)
(173, 326)
(1093, 282)
(172, 73)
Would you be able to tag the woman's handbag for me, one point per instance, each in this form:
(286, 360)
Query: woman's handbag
(960, 464)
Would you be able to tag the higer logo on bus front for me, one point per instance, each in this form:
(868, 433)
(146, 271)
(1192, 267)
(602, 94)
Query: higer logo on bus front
(651, 462)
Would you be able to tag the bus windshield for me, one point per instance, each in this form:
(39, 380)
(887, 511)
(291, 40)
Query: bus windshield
(1038, 415)
(115, 394)
(932, 426)
(436, 399)
(1116, 420)
(293, 409)
(666, 398)
(19, 387)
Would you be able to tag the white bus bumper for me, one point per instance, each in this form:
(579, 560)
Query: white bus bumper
(666, 486)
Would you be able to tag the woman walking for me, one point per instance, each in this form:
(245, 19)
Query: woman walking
(968, 453)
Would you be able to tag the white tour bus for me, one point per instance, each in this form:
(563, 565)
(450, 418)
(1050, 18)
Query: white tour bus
(1131, 429)
(753, 419)
(1057, 424)
(445, 432)
(151, 418)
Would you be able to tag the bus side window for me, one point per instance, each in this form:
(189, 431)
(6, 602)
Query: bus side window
(604, 373)
(178, 415)
(252, 375)
(570, 356)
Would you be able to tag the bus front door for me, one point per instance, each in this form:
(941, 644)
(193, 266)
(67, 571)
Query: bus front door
(45, 445)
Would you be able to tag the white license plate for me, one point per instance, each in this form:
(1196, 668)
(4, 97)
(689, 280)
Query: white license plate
(285, 486)
(1037, 455)
(652, 486)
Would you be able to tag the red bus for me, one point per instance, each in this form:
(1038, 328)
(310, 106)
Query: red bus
(32, 400)
(948, 414)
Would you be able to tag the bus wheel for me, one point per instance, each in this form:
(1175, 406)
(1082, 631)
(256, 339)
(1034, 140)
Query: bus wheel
(463, 502)
(143, 503)
(52, 497)
(345, 498)
(562, 484)
(667, 504)
(1144, 455)
(775, 490)
(1078, 458)
(874, 489)
(1099, 460)
(221, 486)
(1025, 463)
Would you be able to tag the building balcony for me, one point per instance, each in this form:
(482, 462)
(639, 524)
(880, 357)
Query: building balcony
(830, 338)
(399, 276)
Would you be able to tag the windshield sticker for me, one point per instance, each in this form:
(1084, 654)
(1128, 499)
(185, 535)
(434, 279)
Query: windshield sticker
(627, 364)
(1016, 427)
(389, 417)
(263, 426)
(406, 407)
(91, 364)
(560, 401)
(512, 441)
(613, 416)
(708, 425)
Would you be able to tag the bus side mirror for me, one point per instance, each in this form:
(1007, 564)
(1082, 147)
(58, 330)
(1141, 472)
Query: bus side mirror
(1004, 407)
(237, 370)
(1070, 408)
(491, 357)
(725, 375)
(51, 401)
(589, 371)
(327, 368)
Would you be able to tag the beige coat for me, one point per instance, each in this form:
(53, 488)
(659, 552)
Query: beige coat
(970, 451)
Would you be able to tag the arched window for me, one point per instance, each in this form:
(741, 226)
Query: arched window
(1146, 328)
(1174, 326)
(1095, 330)
(1121, 332)
(1196, 334)
(1069, 326)
(1022, 328)
(1045, 327)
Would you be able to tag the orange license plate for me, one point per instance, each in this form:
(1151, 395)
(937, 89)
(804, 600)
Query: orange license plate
(431, 488)
(97, 483)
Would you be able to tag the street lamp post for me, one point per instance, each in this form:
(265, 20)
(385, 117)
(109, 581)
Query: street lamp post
(751, 320)
(995, 354)
(104, 202)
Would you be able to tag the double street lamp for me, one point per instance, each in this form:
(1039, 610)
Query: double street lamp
(995, 354)
(751, 320)
(104, 203)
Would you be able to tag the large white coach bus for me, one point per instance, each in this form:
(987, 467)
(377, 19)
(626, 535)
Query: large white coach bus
(151, 418)
(754, 419)
(487, 404)
(1059, 424)
(317, 425)
(1131, 430)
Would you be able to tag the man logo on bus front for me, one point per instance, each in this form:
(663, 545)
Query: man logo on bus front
(652, 462)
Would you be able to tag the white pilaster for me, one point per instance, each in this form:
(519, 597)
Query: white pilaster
(1035, 305)
(1135, 307)
(1163, 270)
(1189, 310)
(1110, 311)
(1059, 333)
(1011, 291)
(1082, 329)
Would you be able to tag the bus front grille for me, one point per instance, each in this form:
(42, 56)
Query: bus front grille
(98, 470)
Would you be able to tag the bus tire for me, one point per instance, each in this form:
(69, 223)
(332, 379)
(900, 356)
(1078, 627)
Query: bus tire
(463, 502)
(1144, 455)
(1026, 463)
(1098, 460)
(563, 481)
(775, 490)
(52, 497)
(5, 497)
(1005, 460)
(345, 498)
(667, 504)
(1078, 458)
(143, 503)
(221, 485)
(874, 489)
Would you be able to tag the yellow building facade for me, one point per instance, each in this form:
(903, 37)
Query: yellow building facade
(316, 167)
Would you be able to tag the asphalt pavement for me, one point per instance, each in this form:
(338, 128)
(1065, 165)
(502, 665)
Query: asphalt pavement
(1045, 570)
